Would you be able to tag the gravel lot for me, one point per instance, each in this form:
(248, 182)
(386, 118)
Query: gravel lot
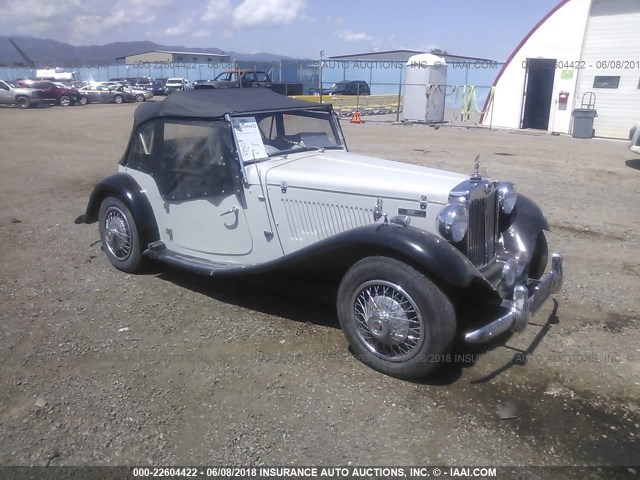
(103, 368)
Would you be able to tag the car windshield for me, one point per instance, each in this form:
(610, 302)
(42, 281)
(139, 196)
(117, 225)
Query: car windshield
(226, 77)
(273, 134)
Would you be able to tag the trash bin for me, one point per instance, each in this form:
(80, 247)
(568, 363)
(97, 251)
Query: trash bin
(583, 122)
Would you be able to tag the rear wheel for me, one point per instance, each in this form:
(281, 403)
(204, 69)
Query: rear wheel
(395, 319)
(65, 100)
(23, 102)
(118, 99)
(119, 236)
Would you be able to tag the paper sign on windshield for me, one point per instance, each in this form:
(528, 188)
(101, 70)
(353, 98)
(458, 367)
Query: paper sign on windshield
(249, 139)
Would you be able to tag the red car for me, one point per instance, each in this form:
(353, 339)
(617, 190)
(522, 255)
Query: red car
(57, 93)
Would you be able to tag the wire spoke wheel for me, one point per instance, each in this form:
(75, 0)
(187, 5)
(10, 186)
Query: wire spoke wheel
(117, 230)
(388, 322)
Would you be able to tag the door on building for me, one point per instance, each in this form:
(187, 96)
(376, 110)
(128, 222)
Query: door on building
(538, 89)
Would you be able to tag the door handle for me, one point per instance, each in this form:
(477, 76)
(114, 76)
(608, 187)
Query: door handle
(233, 209)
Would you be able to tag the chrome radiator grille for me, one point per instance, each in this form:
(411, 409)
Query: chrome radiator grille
(482, 234)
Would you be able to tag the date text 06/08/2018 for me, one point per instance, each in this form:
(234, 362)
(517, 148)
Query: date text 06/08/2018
(531, 64)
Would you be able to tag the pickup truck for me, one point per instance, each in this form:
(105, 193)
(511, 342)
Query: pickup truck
(237, 79)
(248, 79)
(12, 94)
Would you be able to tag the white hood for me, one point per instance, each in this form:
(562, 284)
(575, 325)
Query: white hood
(359, 174)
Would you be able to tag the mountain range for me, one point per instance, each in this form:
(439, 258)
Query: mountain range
(47, 52)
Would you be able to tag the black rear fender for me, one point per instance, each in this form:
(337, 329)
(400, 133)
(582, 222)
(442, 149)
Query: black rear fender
(127, 190)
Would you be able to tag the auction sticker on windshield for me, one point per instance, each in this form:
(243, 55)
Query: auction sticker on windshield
(248, 138)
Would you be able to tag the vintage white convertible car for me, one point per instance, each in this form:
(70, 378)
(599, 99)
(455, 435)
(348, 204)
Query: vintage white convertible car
(238, 181)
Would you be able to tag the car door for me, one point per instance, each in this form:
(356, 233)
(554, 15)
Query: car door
(105, 94)
(195, 173)
(92, 94)
(6, 98)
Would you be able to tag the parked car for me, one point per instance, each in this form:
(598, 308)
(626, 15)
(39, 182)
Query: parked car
(140, 83)
(140, 94)
(104, 94)
(350, 87)
(634, 136)
(54, 92)
(12, 94)
(177, 85)
(236, 79)
(242, 181)
(158, 86)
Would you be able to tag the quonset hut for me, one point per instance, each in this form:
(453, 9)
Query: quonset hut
(580, 48)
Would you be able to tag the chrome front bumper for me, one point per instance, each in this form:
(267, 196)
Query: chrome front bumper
(527, 299)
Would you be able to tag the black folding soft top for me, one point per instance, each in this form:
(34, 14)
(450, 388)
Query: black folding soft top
(211, 103)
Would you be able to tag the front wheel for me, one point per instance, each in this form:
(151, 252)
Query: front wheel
(82, 100)
(23, 102)
(118, 99)
(139, 97)
(65, 100)
(395, 319)
(119, 236)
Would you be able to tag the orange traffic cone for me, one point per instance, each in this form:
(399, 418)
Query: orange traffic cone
(355, 118)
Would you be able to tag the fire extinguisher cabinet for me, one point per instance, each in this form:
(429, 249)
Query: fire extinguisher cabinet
(424, 89)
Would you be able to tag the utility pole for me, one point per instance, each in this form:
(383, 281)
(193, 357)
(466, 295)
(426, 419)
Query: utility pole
(320, 74)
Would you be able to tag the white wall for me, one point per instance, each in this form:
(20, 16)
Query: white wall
(613, 33)
(560, 37)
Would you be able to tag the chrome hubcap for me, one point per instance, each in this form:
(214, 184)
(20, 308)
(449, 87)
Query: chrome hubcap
(388, 322)
(117, 233)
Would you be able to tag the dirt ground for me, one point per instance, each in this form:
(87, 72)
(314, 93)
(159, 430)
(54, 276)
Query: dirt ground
(103, 368)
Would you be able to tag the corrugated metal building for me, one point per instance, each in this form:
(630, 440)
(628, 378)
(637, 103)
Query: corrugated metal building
(581, 47)
(165, 56)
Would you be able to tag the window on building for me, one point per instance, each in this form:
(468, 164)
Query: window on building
(606, 82)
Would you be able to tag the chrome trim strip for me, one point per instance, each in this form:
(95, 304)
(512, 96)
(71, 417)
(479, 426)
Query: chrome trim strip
(526, 302)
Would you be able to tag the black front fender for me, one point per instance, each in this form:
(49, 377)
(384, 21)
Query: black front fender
(425, 251)
(527, 222)
(127, 190)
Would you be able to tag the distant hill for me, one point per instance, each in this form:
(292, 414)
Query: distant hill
(47, 52)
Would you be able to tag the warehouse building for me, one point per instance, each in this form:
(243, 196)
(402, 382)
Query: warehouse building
(584, 53)
(165, 56)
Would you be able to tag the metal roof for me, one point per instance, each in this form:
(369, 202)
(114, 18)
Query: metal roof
(404, 55)
(201, 54)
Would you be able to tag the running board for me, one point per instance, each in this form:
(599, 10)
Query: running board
(158, 251)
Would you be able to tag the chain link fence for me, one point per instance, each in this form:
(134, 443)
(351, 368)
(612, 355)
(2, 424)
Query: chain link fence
(466, 92)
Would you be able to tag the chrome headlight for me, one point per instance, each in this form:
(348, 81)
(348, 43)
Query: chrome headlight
(452, 222)
(507, 196)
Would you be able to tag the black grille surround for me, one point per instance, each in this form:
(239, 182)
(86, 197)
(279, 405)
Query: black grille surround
(479, 244)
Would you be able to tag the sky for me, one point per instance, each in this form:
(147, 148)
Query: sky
(296, 28)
